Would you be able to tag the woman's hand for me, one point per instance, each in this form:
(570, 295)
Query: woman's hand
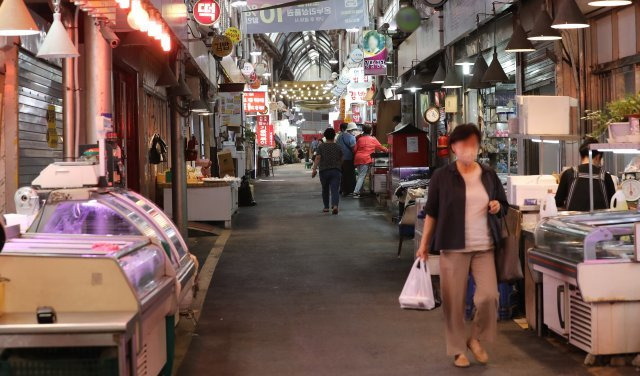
(314, 172)
(494, 207)
(422, 253)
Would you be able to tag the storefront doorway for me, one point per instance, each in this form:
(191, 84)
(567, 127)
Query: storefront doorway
(126, 124)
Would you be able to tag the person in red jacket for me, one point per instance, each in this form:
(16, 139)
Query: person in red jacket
(365, 146)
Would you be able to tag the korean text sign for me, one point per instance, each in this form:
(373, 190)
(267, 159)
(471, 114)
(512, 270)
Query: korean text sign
(264, 131)
(255, 102)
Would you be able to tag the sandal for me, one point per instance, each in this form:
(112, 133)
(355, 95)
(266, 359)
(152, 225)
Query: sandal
(335, 210)
(325, 210)
(461, 361)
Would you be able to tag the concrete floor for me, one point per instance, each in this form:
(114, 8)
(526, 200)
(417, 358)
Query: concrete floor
(299, 292)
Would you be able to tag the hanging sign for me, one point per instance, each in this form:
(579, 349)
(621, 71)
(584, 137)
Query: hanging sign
(247, 69)
(221, 46)
(375, 53)
(206, 12)
(234, 34)
(355, 113)
(321, 15)
(356, 56)
(264, 131)
(254, 102)
(408, 19)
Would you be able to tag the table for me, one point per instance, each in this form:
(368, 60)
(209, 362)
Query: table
(208, 201)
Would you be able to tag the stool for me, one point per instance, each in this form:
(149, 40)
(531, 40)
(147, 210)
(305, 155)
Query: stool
(308, 165)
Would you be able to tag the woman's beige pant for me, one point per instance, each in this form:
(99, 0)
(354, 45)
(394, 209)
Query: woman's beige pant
(454, 273)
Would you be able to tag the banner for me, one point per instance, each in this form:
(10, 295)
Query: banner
(375, 53)
(255, 102)
(324, 15)
(264, 131)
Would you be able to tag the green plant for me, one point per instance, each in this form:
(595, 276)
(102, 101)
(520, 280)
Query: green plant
(615, 111)
(249, 135)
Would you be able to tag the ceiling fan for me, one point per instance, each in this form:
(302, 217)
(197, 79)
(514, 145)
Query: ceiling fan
(288, 4)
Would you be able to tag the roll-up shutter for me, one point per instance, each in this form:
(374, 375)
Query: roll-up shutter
(539, 69)
(39, 105)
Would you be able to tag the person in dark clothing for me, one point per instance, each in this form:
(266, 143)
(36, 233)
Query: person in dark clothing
(328, 160)
(573, 190)
(347, 141)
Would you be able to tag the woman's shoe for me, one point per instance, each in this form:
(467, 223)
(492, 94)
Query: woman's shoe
(335, 210)
(478, 352)
(325, 210)
(461, 361)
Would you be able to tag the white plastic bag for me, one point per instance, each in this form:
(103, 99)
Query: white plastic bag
(417, 292)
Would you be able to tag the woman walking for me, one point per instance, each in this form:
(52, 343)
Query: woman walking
(365, 146)
(328, 160)
(464, 206)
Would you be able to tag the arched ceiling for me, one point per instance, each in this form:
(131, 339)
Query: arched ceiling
(303, 49)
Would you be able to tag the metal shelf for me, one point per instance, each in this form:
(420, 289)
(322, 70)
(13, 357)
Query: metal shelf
(550, 137)
(630, 147)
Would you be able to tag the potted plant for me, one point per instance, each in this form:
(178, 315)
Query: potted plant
(616, 111)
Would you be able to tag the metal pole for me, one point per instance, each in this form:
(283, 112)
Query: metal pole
(68, 110)
(98, 77)
(590, 180)
(178, 162)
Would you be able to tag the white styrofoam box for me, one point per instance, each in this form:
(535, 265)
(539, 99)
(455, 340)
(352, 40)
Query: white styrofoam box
(513, 180)
(380, 183)
(545, 114)
(531, 191)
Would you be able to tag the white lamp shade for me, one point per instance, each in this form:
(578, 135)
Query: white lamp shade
(57, 43)
(15, 19)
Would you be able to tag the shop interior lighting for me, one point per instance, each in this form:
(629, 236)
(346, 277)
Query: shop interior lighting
(569, 16)
(466, 70)
(453, 80)
(167, 78)
(479, 69)
(182, 89)
(238, 3)
(199, 106)
(255, 53)
(15, 19)
(537, 140)
(353, 30)
(57, 43)
(465, 61)
(165, 41)
(519, 41)
(440, 75)
(610, 3)
(333, 60)
(542, 29)
(138, 18)
(495, 73)
(124, 4)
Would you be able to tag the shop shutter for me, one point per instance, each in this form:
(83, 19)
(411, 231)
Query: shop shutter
(539, 69)
(39, 97)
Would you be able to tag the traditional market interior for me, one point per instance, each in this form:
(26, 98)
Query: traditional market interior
(319, 187)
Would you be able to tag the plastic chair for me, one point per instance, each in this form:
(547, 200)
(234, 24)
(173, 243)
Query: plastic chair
(407, 224)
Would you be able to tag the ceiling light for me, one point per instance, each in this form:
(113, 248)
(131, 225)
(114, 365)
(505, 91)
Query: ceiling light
(495, 73)
(238, 3)
(167, 78)
(353, 30)
(609, 3)
(255, 53)
(542, 28)
(182, 90)
(479, 69)
(165, 41)
(519, 41)
(15, 19)
(440, 75)
(57, 43)
(199, 106)
(266, 74)
(569, 16)
(464, 61)
(124, 4)
(453, 80)
(333, 61)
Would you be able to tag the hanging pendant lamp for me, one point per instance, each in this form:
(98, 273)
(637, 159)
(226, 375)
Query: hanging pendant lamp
(453, 80)
(495, 74)
(57, 43)
(542, 28)
(386, 83)
(479, 69)
(610, 3)
(569, 16)
(182, 89)
(15, 19)
(440, 75)
(167, 78)
(519, 41)
(380, 96)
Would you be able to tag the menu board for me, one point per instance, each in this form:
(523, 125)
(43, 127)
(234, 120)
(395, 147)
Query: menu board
(230, 109)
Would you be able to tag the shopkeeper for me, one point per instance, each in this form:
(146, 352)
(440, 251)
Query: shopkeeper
(573, 190)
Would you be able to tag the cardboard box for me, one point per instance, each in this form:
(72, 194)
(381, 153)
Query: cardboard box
(226, 165)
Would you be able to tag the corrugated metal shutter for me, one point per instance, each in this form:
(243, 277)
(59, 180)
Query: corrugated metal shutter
(39, 86)
(539, 69)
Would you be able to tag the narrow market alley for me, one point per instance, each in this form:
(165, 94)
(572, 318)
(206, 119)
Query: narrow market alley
(300, 292)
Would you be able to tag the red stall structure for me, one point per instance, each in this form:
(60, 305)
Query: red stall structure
(409, 147)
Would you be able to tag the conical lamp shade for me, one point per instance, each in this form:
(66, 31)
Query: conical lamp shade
(380, 95)
(440, 75)
(182, 89)
(57, 43)
(569, 16)
(542, 28)
(15, 19)
(453, 80)
(135, 39)
(167, 78)
(386, 84)
(495, 73)
(519, 41)
(479, 69)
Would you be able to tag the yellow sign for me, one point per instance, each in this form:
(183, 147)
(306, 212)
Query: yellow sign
(52, 132)
(221, 46)
(234, 34)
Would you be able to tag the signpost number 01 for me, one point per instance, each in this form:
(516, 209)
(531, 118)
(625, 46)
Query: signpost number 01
(206, 12)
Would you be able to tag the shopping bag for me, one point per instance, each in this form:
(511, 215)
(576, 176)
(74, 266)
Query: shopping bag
(507, 254)
(417, 292)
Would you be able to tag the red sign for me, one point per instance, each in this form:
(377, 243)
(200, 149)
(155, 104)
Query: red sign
(206, 12)
(255, 102)
(355, 113)
(264, 131)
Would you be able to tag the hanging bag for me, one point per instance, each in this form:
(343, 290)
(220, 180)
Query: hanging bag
(417, 292)
(155, 157)
(507, 254)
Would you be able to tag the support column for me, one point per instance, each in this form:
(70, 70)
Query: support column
(178, 162)
(68, 110)
(98, 77)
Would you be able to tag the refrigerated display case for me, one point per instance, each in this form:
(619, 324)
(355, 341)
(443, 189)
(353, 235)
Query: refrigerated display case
(589, 293)
(112, 298)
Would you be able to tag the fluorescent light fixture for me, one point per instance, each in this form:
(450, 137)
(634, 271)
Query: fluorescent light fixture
(333, 61)
(465, 61)
(238, 3)
(255, 53)
(466, 70)
(545, 141)
(353, 30)
(609, 3)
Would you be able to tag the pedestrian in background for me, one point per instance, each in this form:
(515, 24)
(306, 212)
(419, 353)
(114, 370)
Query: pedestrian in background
(347, 142)
(328, 161)
(465, 203)
(365, 146)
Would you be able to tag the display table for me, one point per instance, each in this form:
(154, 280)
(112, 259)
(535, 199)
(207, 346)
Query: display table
(208, 201)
